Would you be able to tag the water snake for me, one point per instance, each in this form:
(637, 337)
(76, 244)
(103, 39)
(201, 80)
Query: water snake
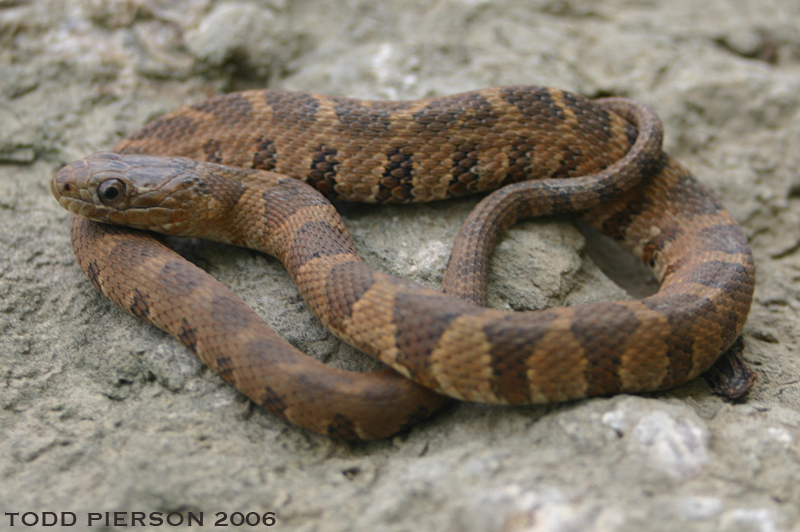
(549, 150)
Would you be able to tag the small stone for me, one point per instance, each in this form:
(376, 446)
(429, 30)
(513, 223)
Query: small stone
(23, 155)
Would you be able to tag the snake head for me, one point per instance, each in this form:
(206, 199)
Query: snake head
(132, 190)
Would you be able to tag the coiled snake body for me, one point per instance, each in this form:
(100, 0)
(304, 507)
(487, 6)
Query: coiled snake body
(601, 158)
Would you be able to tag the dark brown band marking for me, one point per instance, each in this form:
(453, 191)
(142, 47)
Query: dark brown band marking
(342, 427)
(317, 239)
(358, 118)
(166, 128)
(230, 109)
(515, 334)
(536, 104)
(718, 274)
(322, 174)
(727, 238)
(187, 335)
(603, 345)
(347, 283)
(291, 109)
(225, 368)
(140, 307)
(265, 157)
(213, 151)
(421, 320)
(273, 402)
(396, 184)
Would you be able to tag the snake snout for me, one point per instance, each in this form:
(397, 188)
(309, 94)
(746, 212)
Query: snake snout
(65, 185)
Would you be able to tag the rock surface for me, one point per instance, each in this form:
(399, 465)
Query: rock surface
(102, 413)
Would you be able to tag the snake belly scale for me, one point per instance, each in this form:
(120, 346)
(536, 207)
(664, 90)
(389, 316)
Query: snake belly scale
(550, 150)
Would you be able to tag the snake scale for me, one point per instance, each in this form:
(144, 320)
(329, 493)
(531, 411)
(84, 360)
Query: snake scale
(218, 169)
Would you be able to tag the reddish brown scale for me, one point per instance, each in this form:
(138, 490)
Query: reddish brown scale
(420, 151)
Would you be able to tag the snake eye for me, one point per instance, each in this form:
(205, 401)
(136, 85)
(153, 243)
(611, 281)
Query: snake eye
(111, 191)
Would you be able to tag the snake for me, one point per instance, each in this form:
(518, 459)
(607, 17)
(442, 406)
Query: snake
(257, 169)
